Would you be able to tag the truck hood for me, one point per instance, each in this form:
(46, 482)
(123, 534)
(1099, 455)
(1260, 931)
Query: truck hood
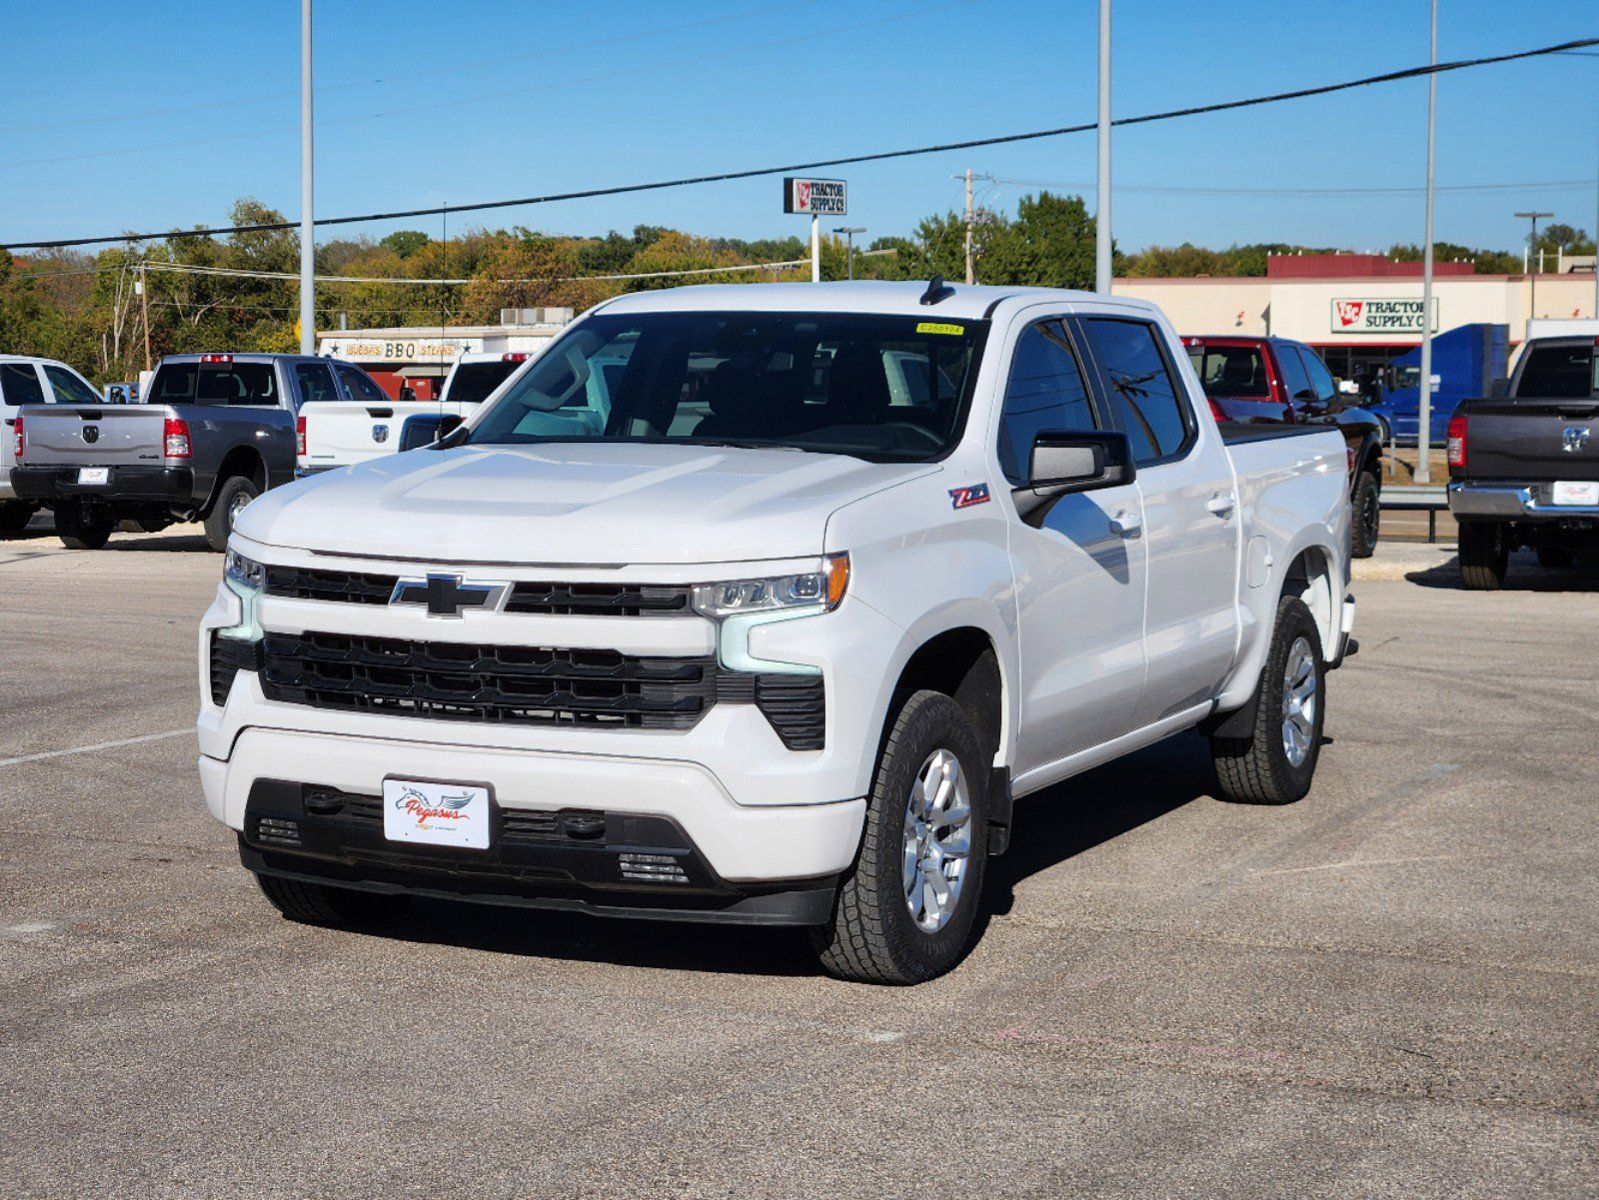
(582, 503)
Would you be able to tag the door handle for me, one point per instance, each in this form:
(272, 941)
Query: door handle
(1126, 524)
(1222, 505)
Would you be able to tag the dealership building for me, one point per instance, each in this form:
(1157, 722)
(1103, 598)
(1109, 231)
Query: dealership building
(1363, 309)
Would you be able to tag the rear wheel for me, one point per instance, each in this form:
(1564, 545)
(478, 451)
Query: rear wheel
(319, 904)
(904, 913)
(1367, 503)
(83, 526)
(1484, 555)
(232, 497)
(1277, 761)
(14, 516)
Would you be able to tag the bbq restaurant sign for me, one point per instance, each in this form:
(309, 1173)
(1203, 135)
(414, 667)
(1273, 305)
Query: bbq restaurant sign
(815, 197)
(1380, 316)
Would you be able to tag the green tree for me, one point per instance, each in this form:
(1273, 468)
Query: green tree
(405, 242)
(1049, 244)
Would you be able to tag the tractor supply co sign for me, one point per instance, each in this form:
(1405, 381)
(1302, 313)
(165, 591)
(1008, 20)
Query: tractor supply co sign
(815, 197)
(1380, 316)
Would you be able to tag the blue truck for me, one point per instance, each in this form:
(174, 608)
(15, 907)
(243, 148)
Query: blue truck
(1468, 360)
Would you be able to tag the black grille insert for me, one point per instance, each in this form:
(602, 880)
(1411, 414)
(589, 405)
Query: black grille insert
(550, 599)
(796, 707)
(228, 656)
(304, 583)
(501, 684)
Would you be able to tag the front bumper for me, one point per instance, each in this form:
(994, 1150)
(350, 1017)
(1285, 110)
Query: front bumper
(1514, 502)
(173, 485)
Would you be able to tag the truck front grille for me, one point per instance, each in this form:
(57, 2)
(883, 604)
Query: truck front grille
(498, 684)
(228, 656)
(549, 599)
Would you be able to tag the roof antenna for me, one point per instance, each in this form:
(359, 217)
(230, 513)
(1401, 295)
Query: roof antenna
(937, 290)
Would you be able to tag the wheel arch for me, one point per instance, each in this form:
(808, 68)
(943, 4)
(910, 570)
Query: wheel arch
(241, 460)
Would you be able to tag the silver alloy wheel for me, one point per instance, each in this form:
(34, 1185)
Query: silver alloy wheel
(938, 840)
(1299, 701)
(236, 506)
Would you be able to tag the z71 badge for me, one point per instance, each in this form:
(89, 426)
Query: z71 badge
(965, 497)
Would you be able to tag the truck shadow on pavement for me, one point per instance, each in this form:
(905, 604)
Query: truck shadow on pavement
(1525, 575)
(1051, 828)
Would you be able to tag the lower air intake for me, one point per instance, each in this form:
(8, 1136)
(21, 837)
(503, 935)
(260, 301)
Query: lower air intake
(651, 868)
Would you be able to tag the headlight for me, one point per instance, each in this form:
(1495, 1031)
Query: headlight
(821, 590)
(246, 573)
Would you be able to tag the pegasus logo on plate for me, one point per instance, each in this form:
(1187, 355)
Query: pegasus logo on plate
(447, 595)
(1574, 437)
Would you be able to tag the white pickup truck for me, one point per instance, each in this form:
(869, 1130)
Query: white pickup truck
(365, 424)
(779, 642)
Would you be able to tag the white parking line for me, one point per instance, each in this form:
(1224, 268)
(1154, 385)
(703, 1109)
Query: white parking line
(132, 741)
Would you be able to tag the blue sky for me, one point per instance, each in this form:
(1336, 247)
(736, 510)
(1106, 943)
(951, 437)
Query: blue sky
(481, 99)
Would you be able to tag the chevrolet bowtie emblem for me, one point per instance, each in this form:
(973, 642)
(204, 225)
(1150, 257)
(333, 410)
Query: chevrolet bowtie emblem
(447, 595)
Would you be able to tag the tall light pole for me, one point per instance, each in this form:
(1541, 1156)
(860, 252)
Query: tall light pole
(849, 232)
(1424, 425)
(307, 219)
(1102, 217)
(1532, 265)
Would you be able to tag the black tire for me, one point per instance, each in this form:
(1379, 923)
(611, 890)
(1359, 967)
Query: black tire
(1257, 769)
(234, 494)
(14, 516)
(1556, 558)
(319, 904)
(1366, 501)
(1484, 556)
(872, 936)
(83, 526)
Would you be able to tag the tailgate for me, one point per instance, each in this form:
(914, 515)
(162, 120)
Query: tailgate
(338, 433)
(113, 435)
(1531, 440)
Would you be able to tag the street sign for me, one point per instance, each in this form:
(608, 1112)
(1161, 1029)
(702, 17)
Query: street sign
(815, 197)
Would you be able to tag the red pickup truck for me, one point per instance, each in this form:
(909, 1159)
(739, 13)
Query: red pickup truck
(1274, 381)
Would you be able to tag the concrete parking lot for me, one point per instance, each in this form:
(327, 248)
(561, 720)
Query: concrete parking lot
(1390, 989)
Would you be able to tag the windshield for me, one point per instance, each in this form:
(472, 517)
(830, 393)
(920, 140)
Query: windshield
(1230, 371)
(876, 387)
(472, 382)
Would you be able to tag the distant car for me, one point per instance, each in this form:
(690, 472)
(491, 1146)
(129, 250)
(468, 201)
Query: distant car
(362, 423)
(1524, 467)
(217, 431)
(25, 380)
(1274, 381)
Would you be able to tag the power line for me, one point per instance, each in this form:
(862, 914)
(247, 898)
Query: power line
(1177, 190)
(848, 160)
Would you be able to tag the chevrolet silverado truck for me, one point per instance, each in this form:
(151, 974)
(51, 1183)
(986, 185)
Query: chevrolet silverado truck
(1271, 381)
(218, 430)
(781, 640)
(365, 424)
(1524, 467)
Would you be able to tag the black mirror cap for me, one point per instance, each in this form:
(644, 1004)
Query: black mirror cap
(427, 429)
(407, 396)
(1063, 463)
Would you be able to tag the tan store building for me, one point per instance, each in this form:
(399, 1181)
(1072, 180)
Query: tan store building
(1360, 309)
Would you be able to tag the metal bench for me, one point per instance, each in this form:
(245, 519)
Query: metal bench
(1413, 498)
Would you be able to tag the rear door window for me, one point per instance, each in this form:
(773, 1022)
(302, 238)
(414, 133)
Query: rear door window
(1559, 372)
(19, 384)
(360, 385)
(1045, 393)
(316, 383)
(69, 389)
(473, 382)
(1138, 381)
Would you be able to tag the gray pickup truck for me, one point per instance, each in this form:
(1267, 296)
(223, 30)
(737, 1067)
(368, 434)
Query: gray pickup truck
(216, 431)
(1524, 467)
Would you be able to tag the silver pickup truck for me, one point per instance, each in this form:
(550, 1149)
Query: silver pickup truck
(217, 431)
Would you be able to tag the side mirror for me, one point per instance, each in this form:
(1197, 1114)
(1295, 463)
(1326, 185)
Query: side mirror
(1072, 462)
(407, 395)
(1499, 389)
(1306, 396)
(427, 429)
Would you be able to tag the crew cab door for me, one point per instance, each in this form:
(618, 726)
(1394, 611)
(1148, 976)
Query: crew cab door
(1191, 519)
(1079, 570)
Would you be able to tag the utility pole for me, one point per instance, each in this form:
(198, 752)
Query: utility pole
(1596, 264)
(1424, 427)
(1102, 274)
(307, 219)
(971, 220)
(144, 303)
(816, 249)
(1532, 270)
(849, 232)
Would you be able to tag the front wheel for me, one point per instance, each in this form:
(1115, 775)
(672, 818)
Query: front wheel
(320, 904)
(1276, 762)
(904, 913)
(232, 497)
(14, 516)
(83, 526)
(1484, 556)
(1367, 503)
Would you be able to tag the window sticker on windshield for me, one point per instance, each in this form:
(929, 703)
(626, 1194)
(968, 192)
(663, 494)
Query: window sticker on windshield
(939, 327)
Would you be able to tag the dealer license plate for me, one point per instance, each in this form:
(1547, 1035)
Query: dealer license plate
(1569, 491)
(436, 814)
(88, 475)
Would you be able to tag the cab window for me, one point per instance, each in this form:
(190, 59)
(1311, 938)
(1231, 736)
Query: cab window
(360, 386)
(316, 383)
(1138, 381)
(1321, 380)
(69, 389)
(1045, 393)
(19, 384)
